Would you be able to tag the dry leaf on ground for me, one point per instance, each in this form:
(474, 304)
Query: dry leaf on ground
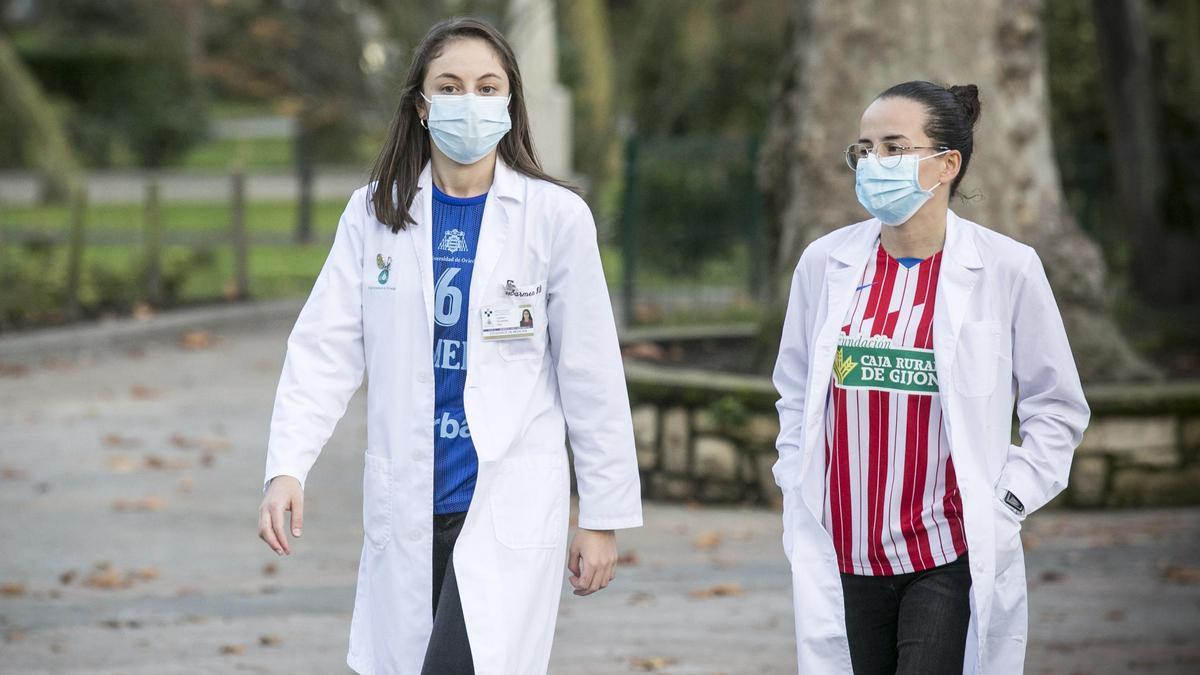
(718, 591)
(197, 339)
(142, 392)
(651, 663)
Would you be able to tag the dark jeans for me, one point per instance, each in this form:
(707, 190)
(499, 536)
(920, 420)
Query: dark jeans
(909, 623)
(449, 651)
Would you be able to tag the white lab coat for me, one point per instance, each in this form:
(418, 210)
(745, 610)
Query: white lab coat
(997, 338)
(522, 398)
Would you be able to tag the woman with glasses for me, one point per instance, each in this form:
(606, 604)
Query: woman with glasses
(466, 485)
(907, 340)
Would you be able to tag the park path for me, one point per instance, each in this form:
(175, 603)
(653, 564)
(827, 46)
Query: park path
(129, 482)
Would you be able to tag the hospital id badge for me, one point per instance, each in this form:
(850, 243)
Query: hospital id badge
(507, 321)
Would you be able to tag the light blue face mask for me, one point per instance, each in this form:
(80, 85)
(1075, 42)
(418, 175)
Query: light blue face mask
(891, 194)
(466, 127)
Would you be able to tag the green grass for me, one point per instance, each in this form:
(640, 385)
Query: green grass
(261, 217)
(252, 154)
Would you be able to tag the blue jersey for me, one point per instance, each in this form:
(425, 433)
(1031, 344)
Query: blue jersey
(456, 223)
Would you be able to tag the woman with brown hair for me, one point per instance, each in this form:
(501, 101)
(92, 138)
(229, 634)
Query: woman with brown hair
(433, 267)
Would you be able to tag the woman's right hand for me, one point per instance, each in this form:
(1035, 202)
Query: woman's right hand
(283, 494)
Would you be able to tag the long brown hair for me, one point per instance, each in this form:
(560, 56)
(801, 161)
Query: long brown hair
(406, 150)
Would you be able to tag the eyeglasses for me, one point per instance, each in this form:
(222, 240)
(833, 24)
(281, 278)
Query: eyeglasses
(888, 152)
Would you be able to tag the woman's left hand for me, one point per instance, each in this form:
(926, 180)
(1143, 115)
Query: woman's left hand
(592, 560)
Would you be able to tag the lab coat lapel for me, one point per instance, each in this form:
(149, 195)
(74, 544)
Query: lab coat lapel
(843, 267)
(420, 234)
(498, 215)
(959, 273)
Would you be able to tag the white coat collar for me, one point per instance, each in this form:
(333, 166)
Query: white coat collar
(503, 201)
(959, 246)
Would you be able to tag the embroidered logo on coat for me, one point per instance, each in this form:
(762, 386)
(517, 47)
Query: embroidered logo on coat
(385, 267)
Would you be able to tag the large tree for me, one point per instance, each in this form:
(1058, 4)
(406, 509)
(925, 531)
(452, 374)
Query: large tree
(844, 52)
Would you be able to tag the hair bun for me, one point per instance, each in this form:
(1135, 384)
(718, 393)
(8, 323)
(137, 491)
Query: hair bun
(967, 96)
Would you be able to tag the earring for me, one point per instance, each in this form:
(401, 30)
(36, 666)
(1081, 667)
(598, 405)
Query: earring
(423, 124)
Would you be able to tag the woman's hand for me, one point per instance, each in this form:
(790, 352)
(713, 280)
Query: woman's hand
(592, 560)
(283, 494)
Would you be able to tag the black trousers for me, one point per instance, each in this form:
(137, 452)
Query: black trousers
(909, 623)
(449, 651)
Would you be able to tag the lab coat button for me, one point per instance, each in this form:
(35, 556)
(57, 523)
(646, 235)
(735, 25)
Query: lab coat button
(415, 535)
(423, 376)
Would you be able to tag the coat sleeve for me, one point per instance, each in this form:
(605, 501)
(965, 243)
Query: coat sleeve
(591, 377)
(1051, 407)
(791, 380)
(325, 357)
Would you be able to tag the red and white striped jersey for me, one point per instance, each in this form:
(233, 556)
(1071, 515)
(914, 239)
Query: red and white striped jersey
(892, 503)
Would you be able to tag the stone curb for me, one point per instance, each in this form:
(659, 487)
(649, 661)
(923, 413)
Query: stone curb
(128, 333)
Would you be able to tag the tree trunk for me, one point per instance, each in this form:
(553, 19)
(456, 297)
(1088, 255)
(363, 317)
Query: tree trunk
(1137, 155)
(844, 53)
(23, 104)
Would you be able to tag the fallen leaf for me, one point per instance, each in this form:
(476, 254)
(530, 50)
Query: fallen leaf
(144, 504)
(640, 598)
(14, 635)
(651, 664)
(269, 640)
(121, 464)
(13, 473)
(707, 540)
(197, 339)
(233, 649)
(13, 370)
(145, 573)
(142, 311)
(11, 589)
(142, 392)
(629, 558)
(67, 577)
(58, 363)
(1052, 576)
(270, 569)
(119, 441)
(1115, 615)
(718, 591)
(1182, 575)
(107, 578)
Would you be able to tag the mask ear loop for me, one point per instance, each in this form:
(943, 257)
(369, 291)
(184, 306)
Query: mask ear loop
(422, 119)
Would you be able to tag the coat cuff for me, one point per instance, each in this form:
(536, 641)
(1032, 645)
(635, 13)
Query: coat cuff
(1019, 478)
(612, 523)
(271, 474)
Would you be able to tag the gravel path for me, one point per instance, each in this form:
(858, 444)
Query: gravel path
(129, 482)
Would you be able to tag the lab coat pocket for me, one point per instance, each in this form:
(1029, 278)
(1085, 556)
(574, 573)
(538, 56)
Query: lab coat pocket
(377, 500)
(528, 499)
(530, 299)
(977, 357)
(1008, 536)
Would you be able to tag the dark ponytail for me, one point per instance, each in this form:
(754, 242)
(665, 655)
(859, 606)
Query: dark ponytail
(950, 116)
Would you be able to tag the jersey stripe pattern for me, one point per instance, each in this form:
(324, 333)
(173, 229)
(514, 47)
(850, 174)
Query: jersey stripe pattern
(892, 502)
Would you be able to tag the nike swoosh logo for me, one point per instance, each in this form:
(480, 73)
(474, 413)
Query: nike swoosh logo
(866, 285)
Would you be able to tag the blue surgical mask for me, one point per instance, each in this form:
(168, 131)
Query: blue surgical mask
(466, 127)
(891, 194)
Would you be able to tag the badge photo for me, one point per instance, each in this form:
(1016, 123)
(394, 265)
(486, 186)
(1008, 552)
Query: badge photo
(507, 321)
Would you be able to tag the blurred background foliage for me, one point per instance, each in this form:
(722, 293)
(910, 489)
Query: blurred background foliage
(681, 87)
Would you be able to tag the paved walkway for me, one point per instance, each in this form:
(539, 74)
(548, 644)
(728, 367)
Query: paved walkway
(129, 483)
